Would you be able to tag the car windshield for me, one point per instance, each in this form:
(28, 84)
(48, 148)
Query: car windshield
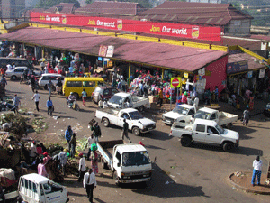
(135, 115)
(181, 110)
(116, 100)
(135, 158)
(202, 114)
(220, 129)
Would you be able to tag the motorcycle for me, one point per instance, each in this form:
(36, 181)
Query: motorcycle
(73, 105)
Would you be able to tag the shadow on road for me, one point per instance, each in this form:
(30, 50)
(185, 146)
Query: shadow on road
(86, 111)
(163, 186)
(241, 150)
(158, 135)
(245, 130)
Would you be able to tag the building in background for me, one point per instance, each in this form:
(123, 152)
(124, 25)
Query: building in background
(12, 9)
(205, 1)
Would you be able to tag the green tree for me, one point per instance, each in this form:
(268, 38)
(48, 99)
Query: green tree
(88, 1)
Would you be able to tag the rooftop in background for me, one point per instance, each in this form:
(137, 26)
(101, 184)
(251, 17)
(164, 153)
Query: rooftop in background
(252, 61)
(194, 13)
(110, 8)
(145, 52)
(64, 8)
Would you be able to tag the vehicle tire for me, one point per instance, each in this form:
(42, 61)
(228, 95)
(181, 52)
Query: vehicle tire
(105, 122)
(13, 77)
(227, 146)
(45, 87)
(104, 165)
(77, 108)
(186, 141)
(115, 178)
(136, 131)
(76, 95)
(141, 108)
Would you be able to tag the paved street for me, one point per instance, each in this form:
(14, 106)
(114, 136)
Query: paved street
(194, 174)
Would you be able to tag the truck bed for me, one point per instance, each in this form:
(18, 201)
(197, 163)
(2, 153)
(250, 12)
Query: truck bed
(226, 118)
(106, 147)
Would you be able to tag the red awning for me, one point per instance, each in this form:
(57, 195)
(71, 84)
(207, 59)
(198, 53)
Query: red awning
(152, 53)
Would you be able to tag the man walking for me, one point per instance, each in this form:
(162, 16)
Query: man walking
(96, 130)
(16, 103)
(50, 86)
(245, 117)
(68, 135)
(125, 130)
(63, 157)
(257, 165)
(90, 141)
(50, 106)
(37, 98)
(81, 168)
(89, 184)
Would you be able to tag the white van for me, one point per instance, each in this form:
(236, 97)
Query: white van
(44, 79)
(34, 188)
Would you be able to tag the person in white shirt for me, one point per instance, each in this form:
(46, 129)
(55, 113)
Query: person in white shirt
(33, 151)
(257, 165)
(90, 141)
(9, 67)
(36, 97)
(81, 167)
(89, 183)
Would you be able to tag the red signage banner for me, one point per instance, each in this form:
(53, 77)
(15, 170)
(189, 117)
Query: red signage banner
(168, 29)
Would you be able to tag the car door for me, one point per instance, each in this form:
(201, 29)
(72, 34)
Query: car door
(212, 135)
(117, 162)
(199, 133)
(121, 119)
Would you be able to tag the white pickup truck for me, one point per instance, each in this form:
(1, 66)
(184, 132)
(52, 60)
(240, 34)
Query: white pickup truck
(129, 163)
(123, 100)
(220, 117)
(136, 122)
(181, 113)
(206, 131)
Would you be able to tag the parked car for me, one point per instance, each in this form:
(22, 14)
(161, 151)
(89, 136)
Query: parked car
(44, 79)
(221, 117)
(137, 124)
(15, 73)
(36, 188)
(181, 113)
(103, 93)
(206, 131)
(121, 99)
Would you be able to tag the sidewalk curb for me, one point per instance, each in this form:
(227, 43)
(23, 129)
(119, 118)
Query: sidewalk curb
(246, 189)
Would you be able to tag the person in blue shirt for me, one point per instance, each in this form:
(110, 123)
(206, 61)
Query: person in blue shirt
(68, 135)
(216, 94)
(50, 106)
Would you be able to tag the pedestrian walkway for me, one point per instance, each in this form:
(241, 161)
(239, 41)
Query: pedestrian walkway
(242, 180)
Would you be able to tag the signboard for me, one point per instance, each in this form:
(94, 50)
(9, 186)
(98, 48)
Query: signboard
(262, 73)
(110, 51)
(168, 29)
(176, 82)
(238, 66)
(249, 74)
(102, 50)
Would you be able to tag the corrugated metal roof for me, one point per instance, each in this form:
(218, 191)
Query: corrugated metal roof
(110, 7)
(252, 61)
(64, 8)
(151, 53)
(201, 13)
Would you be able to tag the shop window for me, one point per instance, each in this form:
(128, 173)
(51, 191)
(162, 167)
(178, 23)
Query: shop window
(88, 84)
(74, 84)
